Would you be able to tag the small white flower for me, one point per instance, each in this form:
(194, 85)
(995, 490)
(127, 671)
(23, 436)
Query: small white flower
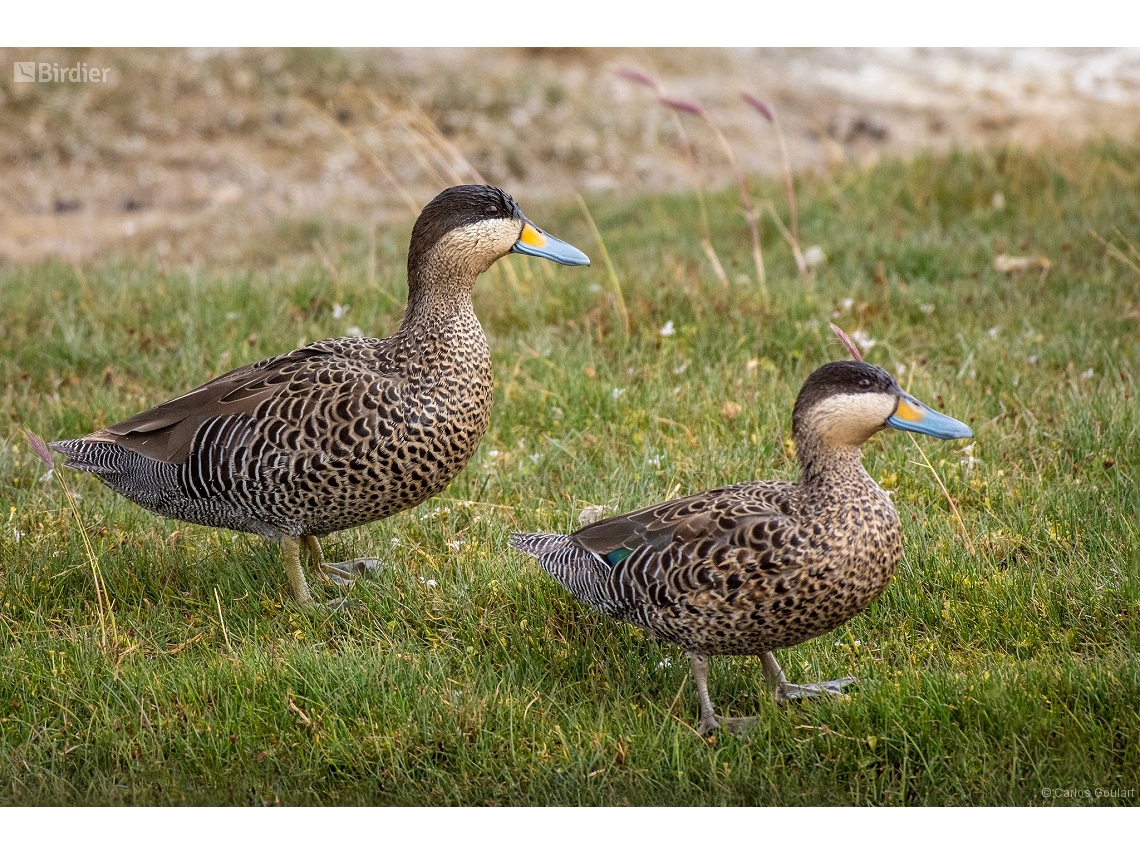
(340, 311)
(493, 453)
(617, 393)
(847, 304)
(1085, 375)
(594, 288)
(814, 256)
(926, 308)
(667, 330)
(993, 331)
(863, 340)
(680, 369)
(664, 663)
(395, 541)
(657, 459)
(17, 534)
(455, 545)
(429, 582)
(354, 331)
(1032, 359)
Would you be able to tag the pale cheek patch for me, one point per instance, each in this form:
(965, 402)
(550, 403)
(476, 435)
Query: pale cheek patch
(479, 244)
(852, 419)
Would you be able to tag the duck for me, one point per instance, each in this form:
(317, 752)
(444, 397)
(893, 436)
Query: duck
(751, 568)
(340, 432)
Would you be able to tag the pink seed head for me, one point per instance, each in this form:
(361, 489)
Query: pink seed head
(847, 342)
(683, 106)
(757, 105)
(639, 77)
(40, 448)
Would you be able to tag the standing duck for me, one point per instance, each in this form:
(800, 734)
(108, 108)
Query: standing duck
(343, 431)
(751, 568)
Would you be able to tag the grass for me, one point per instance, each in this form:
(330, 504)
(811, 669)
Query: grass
(982, 678)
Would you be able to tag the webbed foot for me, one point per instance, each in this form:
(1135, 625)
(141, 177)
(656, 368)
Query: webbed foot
(793, 691)
(342, 573)
(785, 691)
(345, 573)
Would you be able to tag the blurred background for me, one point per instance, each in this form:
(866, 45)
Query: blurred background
(228, 157)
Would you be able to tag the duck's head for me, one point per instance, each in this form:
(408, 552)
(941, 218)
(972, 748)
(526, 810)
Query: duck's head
(843, 404)
(466, 229)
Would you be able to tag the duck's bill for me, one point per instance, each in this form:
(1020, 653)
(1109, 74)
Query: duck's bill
(913, 415)
(534, 241)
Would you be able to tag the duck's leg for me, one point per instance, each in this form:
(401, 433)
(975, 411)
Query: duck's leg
(709, 719)
(291, 553)
(785, 691)
(343, 573)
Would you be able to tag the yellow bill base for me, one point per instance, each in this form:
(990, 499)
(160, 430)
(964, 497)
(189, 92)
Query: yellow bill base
(532, 236)
(908, 413)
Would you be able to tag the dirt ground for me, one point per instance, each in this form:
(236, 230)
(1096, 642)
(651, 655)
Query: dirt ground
(205, 157)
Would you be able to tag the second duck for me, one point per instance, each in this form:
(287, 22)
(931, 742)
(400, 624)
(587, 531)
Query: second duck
(752, 568)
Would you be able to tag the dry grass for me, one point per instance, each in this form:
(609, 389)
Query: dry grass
(228, 159)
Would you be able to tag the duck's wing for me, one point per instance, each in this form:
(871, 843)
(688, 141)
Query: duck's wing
(726, 515)
(322, 380)
(628, 565)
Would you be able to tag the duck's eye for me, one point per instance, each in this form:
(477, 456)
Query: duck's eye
(865, 383)
(492, 210)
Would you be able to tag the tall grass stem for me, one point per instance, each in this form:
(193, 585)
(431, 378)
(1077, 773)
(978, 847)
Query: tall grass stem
(614, 281)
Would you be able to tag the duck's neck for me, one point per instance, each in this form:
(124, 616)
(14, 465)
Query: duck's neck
(826, 469)
(436, 296)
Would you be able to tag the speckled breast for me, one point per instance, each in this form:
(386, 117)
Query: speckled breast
(443, 418)
(372, 441)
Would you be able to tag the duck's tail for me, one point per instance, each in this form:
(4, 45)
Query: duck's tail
(98, 458)
(581, 572)
(539, 545)
(149, 483)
